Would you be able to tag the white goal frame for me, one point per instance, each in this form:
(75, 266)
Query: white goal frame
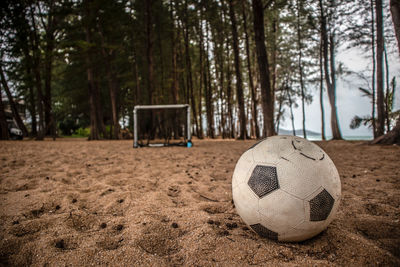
(176, 106)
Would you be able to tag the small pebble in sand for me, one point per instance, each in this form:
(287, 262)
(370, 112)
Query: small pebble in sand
(231, 225)
(60, 244)
(15, 222)
(120, 200)
(354, 176)
(58, 207)
(119, 227)
(103, 225)
(210, 222)
(378, 180)
(74, 200)
(224, 233)
(174, 225)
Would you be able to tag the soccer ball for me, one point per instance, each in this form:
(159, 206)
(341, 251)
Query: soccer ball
(286, 188)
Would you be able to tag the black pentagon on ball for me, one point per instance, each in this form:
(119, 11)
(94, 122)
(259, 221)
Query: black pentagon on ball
(264, 231)
(263, 180)
(321, 206)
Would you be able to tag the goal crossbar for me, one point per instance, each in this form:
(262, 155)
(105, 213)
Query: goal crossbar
(175, 106)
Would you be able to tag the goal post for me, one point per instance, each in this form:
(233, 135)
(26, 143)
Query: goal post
(188, 142)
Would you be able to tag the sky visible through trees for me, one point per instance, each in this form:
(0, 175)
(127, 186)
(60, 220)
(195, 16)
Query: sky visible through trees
(247, 68)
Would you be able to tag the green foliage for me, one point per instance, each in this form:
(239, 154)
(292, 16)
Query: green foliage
(357, 121)
(82, 132)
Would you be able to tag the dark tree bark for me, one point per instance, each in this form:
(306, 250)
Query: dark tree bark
(96, 115)
(208, 89)
(300, 66)
(239, 82)
(174, 70)
(3, 121)
(380, 122)
(149, 52)
(34, 38)
(291, 110)
(13, 105)
(321, 90)
(108, 56)
(337, 135)
(220, 73)
(48, 66)
(254, 101)
(393, 137)
(395, 11)
(137, 80)
(262, 59)
(201, 63)
(29, 80)
(189, 71)
(373, 67)
(387, 104)
(329, 65)
(229, 91)
(229, 95)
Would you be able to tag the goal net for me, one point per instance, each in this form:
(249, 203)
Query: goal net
(162, 125)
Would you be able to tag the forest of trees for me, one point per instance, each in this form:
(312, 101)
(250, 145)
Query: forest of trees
(242, 65)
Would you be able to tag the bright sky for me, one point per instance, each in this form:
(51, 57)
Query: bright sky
(349, 101)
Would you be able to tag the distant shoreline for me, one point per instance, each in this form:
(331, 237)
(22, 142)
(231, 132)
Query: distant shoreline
(347, 138)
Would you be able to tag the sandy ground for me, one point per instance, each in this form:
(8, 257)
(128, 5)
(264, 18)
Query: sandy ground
(74, 202)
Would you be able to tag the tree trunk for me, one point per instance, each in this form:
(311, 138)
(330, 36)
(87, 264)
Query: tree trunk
(274, 64)
(254, 101)
(279, 114)
(92, 87)
(380, 123)
(48, 64)
(395, 10)
(219, 70)
(3, 120)
(201, 63)
(336, 134)
(239, 83)
(149, 53)
(229, 96)
(136, 74)
(38, 78)
(300, 66)
(330, 79)
(31, 94)
(387, 104)
(291, 110)
(262, 59)
(13, 106)
(373, 67)
(174, 71)
(108, 56)
(321, 90)
(208, 89)
(392, 137)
